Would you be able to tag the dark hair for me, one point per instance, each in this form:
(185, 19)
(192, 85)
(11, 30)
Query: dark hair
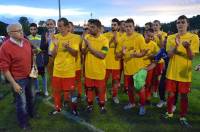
(64, 20)
(130, 20)
(149, 30)
(183, 17)
(33, 25)
(71, 23)
(156, 21)
(149, 23)
(90, 20)
(51, 20)
(116, 20)
(96, 22)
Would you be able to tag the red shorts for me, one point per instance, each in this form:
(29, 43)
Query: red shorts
(128, 80)
(173, 86)
(115, 74)
(158, 69)
(63, 83)
(94, 83)
(78, 75)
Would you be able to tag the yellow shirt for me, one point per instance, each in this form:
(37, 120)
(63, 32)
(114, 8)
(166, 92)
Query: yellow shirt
(133, 43)
(152, 50)
(111, 61)
(64, 63)
(95, 68)
(78, 58)
(158, 42)
(180, 66)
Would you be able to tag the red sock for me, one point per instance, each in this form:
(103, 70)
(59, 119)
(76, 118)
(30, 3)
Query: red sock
(170, 103)
(142, 97)
(184, 106)
(131, 96)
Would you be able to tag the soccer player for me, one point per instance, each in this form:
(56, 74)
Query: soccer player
(64, 48)
(159, 37)
(112, 61)
(95, 48)
(181, 48)
(133, 49)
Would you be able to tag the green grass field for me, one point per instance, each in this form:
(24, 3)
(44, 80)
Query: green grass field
(115, 120)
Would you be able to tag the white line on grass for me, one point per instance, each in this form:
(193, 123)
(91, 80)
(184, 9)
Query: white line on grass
(76, 119)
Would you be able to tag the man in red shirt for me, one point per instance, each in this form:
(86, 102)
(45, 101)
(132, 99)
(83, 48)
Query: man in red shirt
(15, 62)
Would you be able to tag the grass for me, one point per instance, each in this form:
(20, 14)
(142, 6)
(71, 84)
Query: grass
(115, 120)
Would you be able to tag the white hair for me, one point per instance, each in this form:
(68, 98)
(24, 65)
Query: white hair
(10, 26)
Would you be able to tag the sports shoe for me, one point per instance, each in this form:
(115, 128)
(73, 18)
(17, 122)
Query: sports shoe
(167, 115)
(89, 108)
(184, 122)
(46, 94)
(115, 100)
(142, 111)
(75, 112)
(102, 110)
(155, 94)
(161, 104)
(129, 106)
(54, 112)
(174, 108)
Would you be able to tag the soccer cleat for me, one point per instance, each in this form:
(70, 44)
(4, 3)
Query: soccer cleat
(155, 94)
(174, 108)
(75, 112)
(184, 122)
(167, 115)
(46, 94)
(102, 110)
(89, 108)
(129, 106)
(115, 100)
(142, 111)
(161, 104)
(54, 112)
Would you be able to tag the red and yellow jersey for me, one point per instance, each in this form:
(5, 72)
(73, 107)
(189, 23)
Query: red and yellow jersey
(133, 43)
(111, 61)
(65, 63)
(95, 68)
(180, 66)
(152, 50)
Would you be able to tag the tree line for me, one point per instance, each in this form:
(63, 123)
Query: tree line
(167, 27)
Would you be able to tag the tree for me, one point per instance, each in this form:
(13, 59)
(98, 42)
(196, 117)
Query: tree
(41, 23)
(25, 24)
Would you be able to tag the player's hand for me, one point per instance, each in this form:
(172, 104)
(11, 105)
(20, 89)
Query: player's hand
(186, 44)
(177, 40)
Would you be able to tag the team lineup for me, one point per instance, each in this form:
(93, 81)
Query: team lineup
(151, 64)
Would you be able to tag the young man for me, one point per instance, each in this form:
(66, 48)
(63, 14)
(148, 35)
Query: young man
(149, 59)
(133, 49)
(78, 82)
(35, 40)
(64, 48)
(159, 37)
(112, 61)
(181, 48)
(15, 62)
(95, 48)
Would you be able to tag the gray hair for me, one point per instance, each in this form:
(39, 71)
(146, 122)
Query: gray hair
(9, 27)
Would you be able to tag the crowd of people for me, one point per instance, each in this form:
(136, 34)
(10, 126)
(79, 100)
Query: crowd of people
(149, 64)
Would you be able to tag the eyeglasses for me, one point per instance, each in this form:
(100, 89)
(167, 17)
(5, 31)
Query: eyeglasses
(180, 22)
(17, 31)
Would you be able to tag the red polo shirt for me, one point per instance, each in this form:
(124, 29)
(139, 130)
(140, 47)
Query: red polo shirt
(16, 59)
